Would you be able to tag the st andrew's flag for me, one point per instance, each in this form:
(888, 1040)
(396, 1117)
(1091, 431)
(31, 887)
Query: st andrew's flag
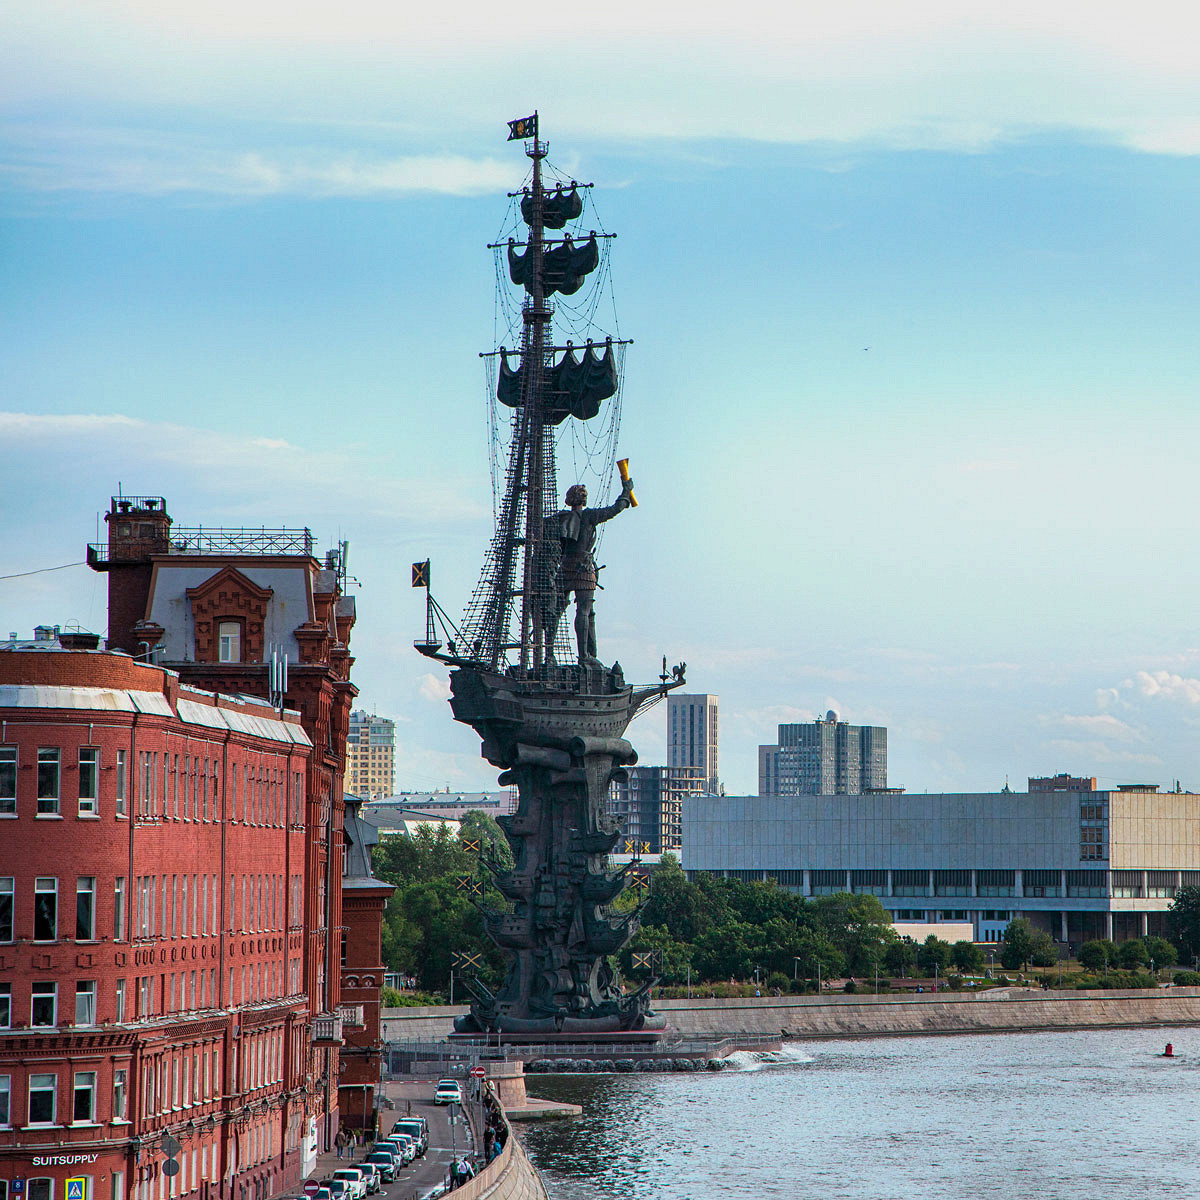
(523, 127)
(421, 574)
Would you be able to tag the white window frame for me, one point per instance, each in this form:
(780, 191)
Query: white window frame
(84, 1082)
(49, 805)
(85, 1002)
(51, 995)
(229, 641)
(121, 789)
(8, 781)
(89, 781)
(41, 1089)
(40, 890)
(85, 885)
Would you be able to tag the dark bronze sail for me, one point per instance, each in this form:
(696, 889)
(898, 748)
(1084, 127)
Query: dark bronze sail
(571, 387)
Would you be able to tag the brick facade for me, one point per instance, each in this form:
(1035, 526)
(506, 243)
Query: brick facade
(151, 933)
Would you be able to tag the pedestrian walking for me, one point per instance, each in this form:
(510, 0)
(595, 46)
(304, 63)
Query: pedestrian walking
(340, 1143)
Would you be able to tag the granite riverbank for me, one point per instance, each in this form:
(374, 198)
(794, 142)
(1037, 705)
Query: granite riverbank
(998, 1010)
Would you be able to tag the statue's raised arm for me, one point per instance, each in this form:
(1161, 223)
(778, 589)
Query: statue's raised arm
(577, 567)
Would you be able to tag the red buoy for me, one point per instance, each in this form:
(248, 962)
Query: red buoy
(1169, 1052)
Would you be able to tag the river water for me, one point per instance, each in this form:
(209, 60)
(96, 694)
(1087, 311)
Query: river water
(1059, 1116)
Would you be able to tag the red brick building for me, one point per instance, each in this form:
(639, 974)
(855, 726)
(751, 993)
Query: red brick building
(363, 900)
(151, 933)
(201, 829)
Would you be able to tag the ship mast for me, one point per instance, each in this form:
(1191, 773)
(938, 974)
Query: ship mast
(536, 319)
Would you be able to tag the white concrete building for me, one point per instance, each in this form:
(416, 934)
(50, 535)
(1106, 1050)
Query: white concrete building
(1080, 865)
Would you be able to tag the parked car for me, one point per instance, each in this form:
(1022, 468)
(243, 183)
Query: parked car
(404, 1144)
(447, 1092)
(384, 1163)
(322, 1193)
(368, 1168)
(338, 1189)
(417, 1129)
(355, 1181)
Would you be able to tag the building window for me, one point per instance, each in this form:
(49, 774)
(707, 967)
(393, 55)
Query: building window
(120, 1095)
(85, 1002)
(85, 908)
(43, 1004)
(49, 771)
(122, 776)
(8, 780)
(6, 908)
(119, 908)
(89, 778)
(42, 1108)
(120, 1001)
(83, 1111)
(5, 1101)
(229, 642)
(45, 909)
(40, 1189)
(5, 1006)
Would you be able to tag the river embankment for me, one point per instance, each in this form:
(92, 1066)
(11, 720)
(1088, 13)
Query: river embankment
(997, 1010)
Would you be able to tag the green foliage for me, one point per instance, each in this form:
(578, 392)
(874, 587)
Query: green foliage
(1161, 951)
(1097, 954)
(1132, 954)
(933, 953)
(1187, 978)
(851, 987)
(967, 956)
(429, 918)
(389, 997)
(1023, 944)
(900, 956)
(1043, 952)
(1183, 923)
(777, 979)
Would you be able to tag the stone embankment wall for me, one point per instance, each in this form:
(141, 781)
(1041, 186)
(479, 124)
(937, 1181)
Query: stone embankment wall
(509, 1176)
(995, 1011)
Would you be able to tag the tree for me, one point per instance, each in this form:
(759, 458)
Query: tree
(858, 925)
(933, 953)
(494, 846)
(1042, 950)
(1132, 955)
(967, 956)
(1183, 923)
(900, 956)
(1161, 951)
(1097, 954)
(1017, 947)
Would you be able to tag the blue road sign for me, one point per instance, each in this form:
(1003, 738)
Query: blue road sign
(76, 1189)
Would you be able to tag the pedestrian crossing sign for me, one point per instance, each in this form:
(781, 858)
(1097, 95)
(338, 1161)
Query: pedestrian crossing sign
(77, 1189)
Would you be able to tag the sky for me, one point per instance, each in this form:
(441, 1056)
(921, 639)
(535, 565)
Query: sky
(911, 405)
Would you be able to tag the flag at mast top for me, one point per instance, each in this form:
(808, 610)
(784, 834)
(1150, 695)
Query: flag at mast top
(523, 127)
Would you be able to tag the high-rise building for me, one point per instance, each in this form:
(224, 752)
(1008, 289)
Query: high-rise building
(648, 802)
(823, 758)
(370, 756)
(693, 735)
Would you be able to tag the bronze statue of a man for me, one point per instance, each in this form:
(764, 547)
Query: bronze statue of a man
(575, 530)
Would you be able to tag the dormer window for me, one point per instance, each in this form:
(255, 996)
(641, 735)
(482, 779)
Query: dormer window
(229, 642)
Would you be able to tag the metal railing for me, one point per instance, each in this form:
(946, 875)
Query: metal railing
(449, 1058)
(199, 540)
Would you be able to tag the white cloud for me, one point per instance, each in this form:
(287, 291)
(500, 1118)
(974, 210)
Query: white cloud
(153, 169)
(257, 463)
(1167, 686)
(432, 687)
(1102, 725)
(406, 99)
